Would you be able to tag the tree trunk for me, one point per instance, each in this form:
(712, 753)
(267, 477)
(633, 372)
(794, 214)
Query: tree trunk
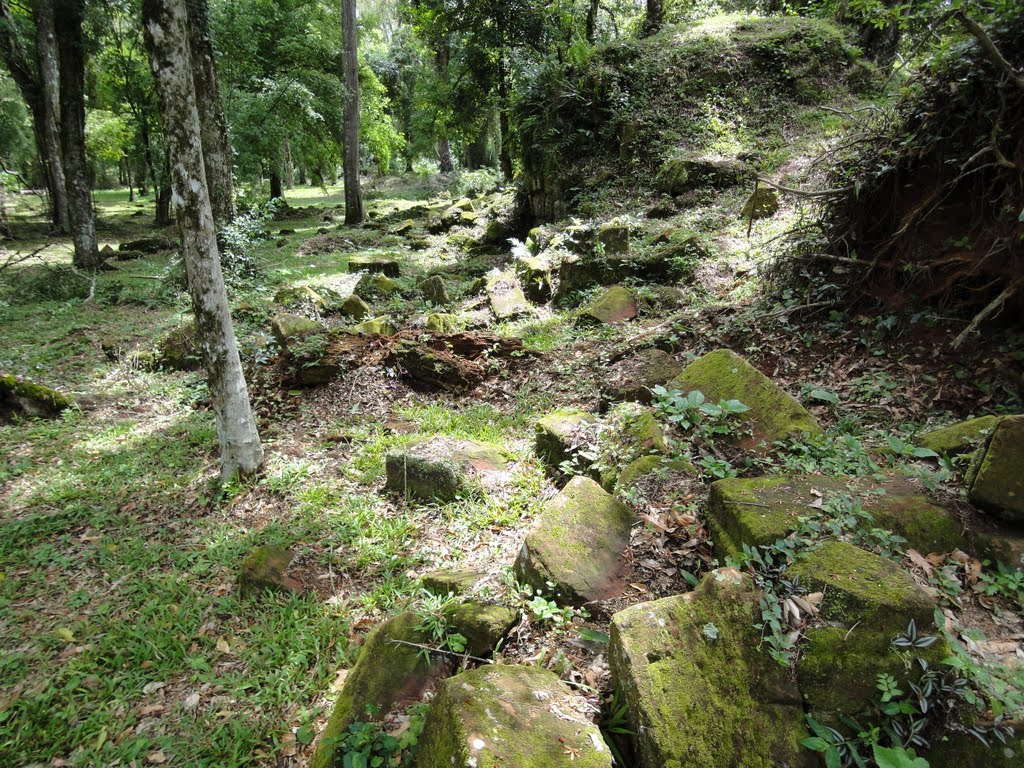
(592, 11)
(128, 175)
(505, 154)
(49, 81)
(165, 25)
(655, 18)
(71, 56)
(444, 146)
(276, 187)
(350, 65)
(212, 122)
(289, 166)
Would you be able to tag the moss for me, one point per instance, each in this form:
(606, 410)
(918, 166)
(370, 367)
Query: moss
(1004, 546)
(378, 326)
(297, 296)
(385, 674)
(838, 668)
(25, 398)
(506, 296)
(555, 434)
(613, 237)
(634, 377)
(762, 203)
(502, 716)
(683, 174)
(645, 465)
(961, 750)
(355, 308)
(440, 322)
(483, 625)
(535, 276)
(614, 306)
(997, 483)
(441, 468)
(285, 327)
(374, 286)
(959, 438)
(576, 543)
(448, 582)
(263, 569)
(634, 432)
(724, 375)
(863, 589)
(179, 349)
(696, 701)
(736, 517)
(375, 264)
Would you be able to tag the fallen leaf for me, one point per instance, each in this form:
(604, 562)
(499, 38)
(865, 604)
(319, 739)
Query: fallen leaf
(638, 587)
(66, 635)
(191, 701)
(921, 562)
(222, 645)
(156, 758)
(152, 709)
(153, 687)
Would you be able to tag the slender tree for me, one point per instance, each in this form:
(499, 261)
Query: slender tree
(71, 57)
(654, 20)
(167, 39)
(212, 122)
(350, 68)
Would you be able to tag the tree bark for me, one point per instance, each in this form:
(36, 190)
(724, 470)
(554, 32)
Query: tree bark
(165, 25)
(592, 10)
(654, 20)
(212, 122)
(71, 57)
(49, 82)
(350, 66)
(289, 166)
(276, 187)
(444, 146)
(505, 153)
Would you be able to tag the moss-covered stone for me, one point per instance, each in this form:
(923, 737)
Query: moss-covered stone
(863, 589)
(404, 228)
(355, 308)
(762, 203)
(535, 276)
(483, 625)
(613, 237)
(698, 689)
(758, 511)
(435, 291)
(724, 375)
(556, 434)
(576, 544)
(632, 378)
(385, 674)
(646, 465)
(376, 264)
(631, 431)
(684, 174)
(441, 322)
(1001, 546)
(293, 296)
(996, 480)
(448, 582)
(961, 750)
(614, 306)
(178, 350)
(962, 437)
(505, 296)
(510, 717)
(374, 285)
(837, 669)
(264, 569)
(286, 326)
(377, 326)
(442, 468)
(21, 398)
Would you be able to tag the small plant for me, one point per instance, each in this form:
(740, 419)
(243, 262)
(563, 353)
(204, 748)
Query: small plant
(432, 612)
(692, 411)
(367, 744)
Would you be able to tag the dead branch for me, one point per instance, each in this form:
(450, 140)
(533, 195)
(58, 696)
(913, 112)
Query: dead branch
(804, 192)
(989, 48)
(990, 308)
(442, 651)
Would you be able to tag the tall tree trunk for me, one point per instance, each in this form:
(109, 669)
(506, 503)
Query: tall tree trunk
(592, 11)
(49, 82)
(655, 18)
(212, 122)
(444, 146)
(350, 65)
(505, 154)
(25, 73)
(276, 187)
(289, 166)
(128, 176)
(71, 56)
(163, 197)
(165, 25)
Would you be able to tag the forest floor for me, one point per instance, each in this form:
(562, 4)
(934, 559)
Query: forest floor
(123, 640)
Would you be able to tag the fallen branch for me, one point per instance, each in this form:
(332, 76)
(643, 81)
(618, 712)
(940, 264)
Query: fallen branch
(989, 48)
(432, 649)
(991, 307)
(804, 192)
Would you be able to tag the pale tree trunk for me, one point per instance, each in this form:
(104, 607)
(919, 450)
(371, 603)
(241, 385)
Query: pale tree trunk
(71, 56)
(655, 18)
(49, 83)
(212, 122)
(166, 29)
(444, 146)
(350, 67)
(289, 166)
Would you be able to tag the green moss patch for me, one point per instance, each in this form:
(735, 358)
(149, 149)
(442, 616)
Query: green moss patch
(503, 716)
(442, 468)
(614, 306)
(557, 433)
(576, 544)
(962, 437)
(20, 398)
(996, 481)
(698, 690)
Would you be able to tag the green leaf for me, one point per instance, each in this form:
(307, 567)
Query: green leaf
(305, 735)
(594, 636)
(824, 396)
(924, 453)
(897, 757)
(816, 743)
(710, 631)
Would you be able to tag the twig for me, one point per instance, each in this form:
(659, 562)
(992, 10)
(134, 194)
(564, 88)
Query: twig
(441, 650)
(750, 504)
(805, 193)
(992, 306)
(989, 48)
